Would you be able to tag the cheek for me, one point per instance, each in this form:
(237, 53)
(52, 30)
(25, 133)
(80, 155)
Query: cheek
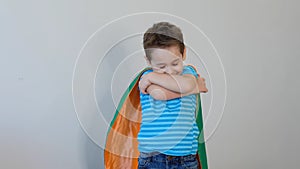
(158, 70)
(179, 69)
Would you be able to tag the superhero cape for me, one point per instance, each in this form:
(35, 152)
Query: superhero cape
(121, 148)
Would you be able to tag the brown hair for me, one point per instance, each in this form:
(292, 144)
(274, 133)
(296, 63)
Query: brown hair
(162, 35)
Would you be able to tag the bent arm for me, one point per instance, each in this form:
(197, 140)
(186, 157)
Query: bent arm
(160, 93)
(183, 84)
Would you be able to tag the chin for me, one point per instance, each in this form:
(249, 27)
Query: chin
(179, 73)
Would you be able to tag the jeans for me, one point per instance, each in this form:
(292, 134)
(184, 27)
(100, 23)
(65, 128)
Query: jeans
(162, 161)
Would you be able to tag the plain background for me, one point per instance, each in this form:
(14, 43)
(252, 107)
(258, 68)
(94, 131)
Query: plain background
(258, 42)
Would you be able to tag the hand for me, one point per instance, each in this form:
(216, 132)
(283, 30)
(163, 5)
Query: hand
(144, 83)
(201, 85)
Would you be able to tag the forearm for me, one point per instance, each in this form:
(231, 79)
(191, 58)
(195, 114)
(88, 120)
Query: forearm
(160, 93)
(182, 84)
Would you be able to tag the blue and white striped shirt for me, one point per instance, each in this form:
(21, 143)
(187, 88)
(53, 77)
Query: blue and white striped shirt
(169, 127)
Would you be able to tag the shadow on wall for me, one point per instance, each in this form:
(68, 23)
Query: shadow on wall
(93, 154)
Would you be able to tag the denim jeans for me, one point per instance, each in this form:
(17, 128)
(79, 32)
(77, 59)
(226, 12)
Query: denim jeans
(162, 161)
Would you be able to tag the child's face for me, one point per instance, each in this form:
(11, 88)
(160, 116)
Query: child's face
(168, 60)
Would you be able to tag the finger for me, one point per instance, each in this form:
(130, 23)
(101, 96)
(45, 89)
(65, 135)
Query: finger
(143, 90)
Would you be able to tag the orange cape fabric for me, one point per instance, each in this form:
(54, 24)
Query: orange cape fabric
(121, 148)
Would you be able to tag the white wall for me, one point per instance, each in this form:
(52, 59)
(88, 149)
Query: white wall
(40, 41)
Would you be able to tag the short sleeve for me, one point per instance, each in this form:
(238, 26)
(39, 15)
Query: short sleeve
(146, 72)
(189, 70)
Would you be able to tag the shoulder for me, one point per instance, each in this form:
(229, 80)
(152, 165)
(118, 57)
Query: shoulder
(146, 72)
(188, 69)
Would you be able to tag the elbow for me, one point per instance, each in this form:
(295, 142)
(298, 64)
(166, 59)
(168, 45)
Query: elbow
(187, 84)
(189, 87)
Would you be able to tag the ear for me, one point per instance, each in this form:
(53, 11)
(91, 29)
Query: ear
(184, 54)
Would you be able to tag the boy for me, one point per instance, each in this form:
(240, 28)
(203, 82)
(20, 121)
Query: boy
(168, 132)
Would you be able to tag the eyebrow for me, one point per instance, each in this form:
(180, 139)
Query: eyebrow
(175, 60)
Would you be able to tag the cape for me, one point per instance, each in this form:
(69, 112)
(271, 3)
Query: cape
(121, 148)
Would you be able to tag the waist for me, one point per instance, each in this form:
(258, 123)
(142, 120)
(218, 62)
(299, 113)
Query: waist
(157, 156)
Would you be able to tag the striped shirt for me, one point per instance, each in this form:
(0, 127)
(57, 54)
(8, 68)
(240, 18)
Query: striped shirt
(169, 127)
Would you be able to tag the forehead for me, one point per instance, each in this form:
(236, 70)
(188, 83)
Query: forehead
(165, 56)
(172, 50)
